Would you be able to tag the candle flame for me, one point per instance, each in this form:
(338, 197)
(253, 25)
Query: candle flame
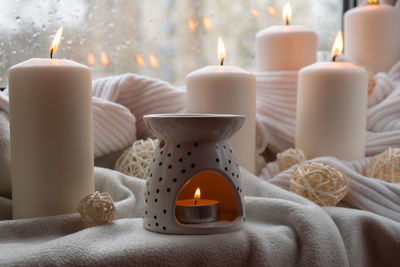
(372, 2)
(197, 194)
(91, 59)
(221, 51)
(153, 61)
(272, 11)
(140, 60)
(56, 41)
(255, 12)
(191, 24)
(104, 59)
(287, 13)
(207, 24)
(337, 46)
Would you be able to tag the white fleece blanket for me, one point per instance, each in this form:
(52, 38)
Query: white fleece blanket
(281, 229)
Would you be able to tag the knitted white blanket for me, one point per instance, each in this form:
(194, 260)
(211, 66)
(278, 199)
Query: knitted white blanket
(276, 110)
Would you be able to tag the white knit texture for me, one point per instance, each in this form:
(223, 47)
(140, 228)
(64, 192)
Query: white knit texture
(276, 110)
(113, 125)
(141, 95)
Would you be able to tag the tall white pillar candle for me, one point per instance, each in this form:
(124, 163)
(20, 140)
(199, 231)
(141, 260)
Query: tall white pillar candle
(332, 110)
(372, 36)
(229, 90)
(285, 47)
(51, 136)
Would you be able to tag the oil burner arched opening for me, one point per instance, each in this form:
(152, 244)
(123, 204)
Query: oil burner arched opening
(208, 197)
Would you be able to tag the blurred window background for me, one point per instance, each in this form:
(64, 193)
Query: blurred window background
(165, 39)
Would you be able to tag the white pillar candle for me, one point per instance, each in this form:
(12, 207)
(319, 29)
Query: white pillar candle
(51, 136)
(372, 36)
(332, 110)
(285, 47)
(229, 90)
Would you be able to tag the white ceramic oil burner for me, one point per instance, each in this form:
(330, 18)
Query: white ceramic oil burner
(194, 183)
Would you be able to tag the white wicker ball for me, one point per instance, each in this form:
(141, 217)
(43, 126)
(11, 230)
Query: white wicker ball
(289, 157)
(385, 166)
(135, 161)
(320, 183)
(97, 208)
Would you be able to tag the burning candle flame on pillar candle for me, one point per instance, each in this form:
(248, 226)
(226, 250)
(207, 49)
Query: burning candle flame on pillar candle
(56, 41)
(221, 51)
(337, 46)
(287, 13)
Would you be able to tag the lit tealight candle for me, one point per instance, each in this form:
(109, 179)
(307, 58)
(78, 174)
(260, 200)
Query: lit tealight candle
(197, 210)
(332, 108)
(285, 47)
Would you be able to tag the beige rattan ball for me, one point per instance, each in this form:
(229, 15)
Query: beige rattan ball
(97, 208)
(135, 161)
(320, 183)
(385, 166)
(289, 157)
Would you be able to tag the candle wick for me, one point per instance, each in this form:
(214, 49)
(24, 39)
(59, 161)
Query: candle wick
(51, 53)
(222, 62)
(334, 58)
(195, 202)
(287, 21)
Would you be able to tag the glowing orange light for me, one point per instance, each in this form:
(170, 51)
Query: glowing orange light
(140, 60)
(104, 59)
(255, 12)
(153, 61)
(191, 24)
(372, 2)
(206, 24)
(221, 51)
(56, 41)
(272, 11)
(91, 59)
(287, 13)
(337, 46)
(197, 194)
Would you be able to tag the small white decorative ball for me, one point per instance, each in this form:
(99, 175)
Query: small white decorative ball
(97, 208)
(289, 157)
(385, 166)
(320, 183)
(135, 161)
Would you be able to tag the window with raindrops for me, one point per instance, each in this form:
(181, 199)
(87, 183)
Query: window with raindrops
(165, 39)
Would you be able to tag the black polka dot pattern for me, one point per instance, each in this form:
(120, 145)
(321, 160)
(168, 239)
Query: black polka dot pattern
(172, 166)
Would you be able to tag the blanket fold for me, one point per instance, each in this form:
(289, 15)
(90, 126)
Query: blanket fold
(282, 229)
